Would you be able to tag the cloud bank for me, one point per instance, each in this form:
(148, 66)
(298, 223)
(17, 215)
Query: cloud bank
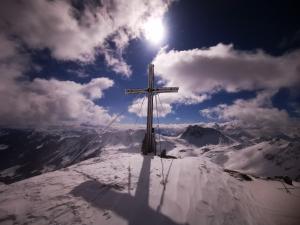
(74, 31)
(79, 31)
(222, 67)
(256, 113)
(200, 73)
(45, 102)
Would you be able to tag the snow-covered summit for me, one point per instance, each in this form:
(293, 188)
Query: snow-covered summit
(126, 188)
(97, 177)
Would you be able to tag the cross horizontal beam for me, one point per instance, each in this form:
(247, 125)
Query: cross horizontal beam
(136, 91)
(152, 90)
(165, 89)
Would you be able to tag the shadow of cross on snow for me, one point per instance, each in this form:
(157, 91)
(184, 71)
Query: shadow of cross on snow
(135, 209)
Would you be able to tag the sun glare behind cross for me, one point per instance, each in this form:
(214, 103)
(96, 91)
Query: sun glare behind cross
(154, 30)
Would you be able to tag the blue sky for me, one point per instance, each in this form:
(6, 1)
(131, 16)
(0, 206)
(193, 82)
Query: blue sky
(237, 33)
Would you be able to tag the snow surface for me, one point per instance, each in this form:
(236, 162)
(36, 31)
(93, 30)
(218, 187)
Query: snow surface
(277, 158)
(120, 186)
(126, 188)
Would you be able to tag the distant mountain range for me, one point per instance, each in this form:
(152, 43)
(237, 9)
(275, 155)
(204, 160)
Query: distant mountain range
(29, 152)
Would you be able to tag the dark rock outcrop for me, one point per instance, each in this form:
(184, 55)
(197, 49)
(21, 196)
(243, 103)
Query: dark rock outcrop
(201, 136)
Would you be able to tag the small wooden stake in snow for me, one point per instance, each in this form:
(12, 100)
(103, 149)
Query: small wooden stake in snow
(149, 140)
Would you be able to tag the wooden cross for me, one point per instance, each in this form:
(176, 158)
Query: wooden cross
(149, 140)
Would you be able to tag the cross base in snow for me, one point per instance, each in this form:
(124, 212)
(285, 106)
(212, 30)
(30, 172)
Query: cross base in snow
(149, 144)
(145, 148)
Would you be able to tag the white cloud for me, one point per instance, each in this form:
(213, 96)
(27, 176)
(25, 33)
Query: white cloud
(139, 107)
(73, 34)
(94, 89)
(223, 67)
(52, 102)
(256, 113)
(200, 73)
(165, 103)
(45, 102)
(12, 64)
(117, 63)
(7, 48)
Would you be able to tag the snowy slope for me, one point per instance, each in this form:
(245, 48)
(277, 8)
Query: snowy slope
(29, 152)
(132, 189)
(269, 158)
(111, 183)
(277, 155)
(126, 188)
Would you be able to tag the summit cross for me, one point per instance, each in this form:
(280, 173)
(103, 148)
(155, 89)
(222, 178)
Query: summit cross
(149, 140)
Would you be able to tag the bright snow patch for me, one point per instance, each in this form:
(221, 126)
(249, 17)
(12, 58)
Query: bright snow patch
(126, 188)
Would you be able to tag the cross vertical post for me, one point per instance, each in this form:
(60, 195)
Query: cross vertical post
(149, 139)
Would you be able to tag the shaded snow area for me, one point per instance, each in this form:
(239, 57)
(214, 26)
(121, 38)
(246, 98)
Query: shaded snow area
(269, 158)
(217, 176)
(40, 151)
(125, 188)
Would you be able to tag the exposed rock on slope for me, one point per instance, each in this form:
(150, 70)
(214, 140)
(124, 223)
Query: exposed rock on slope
(201, 136)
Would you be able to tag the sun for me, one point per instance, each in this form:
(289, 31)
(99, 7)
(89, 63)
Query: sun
(154, 30)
